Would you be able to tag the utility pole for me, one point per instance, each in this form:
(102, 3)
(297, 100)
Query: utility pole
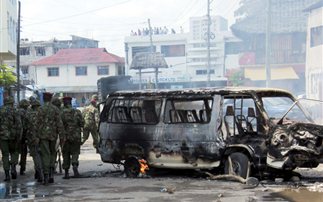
(208, 42)
(18, 54)
(151, 53)
(268, 48)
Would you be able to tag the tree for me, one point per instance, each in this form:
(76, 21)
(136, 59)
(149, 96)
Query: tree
(235, 77)
(7, 76)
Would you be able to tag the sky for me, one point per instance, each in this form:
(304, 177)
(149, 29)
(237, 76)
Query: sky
(110, 21)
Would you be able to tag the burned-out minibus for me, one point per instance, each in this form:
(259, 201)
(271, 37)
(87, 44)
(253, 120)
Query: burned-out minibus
(257, 130)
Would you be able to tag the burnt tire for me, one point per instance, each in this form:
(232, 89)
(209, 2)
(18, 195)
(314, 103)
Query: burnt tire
(132, 167)
(240, 164)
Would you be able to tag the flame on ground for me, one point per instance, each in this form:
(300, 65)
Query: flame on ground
(143, 166)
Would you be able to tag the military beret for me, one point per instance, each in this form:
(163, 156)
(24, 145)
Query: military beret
(67, 100)
(47, 96)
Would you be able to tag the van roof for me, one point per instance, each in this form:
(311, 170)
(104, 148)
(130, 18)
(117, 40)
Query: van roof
(200, 91)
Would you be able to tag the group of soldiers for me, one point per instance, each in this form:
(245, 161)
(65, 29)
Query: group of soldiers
(41, 130)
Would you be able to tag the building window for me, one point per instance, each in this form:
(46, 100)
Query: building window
(173, 50)
(141, 49)
(25, 69)
(316, 36)
(53, 71)
(103, 70)
(204, 71)
(25, 51)
(40, 51)
(81, 71)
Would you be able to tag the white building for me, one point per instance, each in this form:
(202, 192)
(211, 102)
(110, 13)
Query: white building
(185, 54)
(8, 27)
(172, 46)
(74, 72)
(314, 52)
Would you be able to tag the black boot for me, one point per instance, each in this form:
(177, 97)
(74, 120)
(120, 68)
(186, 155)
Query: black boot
(45, 179)
(66, 176)
(51, 175)
(36, 176)
(13, 172)
(22, 170)
(75, 170)
(7, 178)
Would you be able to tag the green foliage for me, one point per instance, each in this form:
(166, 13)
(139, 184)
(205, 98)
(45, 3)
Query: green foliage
(7, 77)
(235, 77)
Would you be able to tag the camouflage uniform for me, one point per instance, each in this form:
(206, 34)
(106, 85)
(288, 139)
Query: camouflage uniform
(91, 119)
(58, 103)
(73, 123)
(32, 138)
(50, 128)
(23, 106)
(10, 136)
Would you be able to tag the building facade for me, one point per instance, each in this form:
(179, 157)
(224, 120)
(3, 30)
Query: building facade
(31, 51)
(74, 72)
(287, 44)
(8, 29)
(314, 57)
(185, 54)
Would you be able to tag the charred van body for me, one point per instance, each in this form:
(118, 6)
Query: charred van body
(208, 128)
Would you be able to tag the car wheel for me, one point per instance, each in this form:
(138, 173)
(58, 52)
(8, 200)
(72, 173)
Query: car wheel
(132, 167)
(240, 165)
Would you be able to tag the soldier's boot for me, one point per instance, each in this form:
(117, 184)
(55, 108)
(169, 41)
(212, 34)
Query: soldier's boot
(36, 176)
(51, 175)
(45, 179)
(75, 171)
(66, 176)
(13, 171)
(7, 176)
(22, 170)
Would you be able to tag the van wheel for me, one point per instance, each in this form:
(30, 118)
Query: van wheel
(240, 165)
(132, 167)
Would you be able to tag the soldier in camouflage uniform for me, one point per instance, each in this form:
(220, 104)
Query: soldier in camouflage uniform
(50, 128)
(32, 137)
(10, 136)
(91, 119)
(73, 123)
(58, 103)
(23, 106)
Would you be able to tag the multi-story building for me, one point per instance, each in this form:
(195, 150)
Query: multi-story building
(314, 55)
(74, 72)
(287, 43)
(185, 54)
(31, 51)
(8, 27)
(197, 60)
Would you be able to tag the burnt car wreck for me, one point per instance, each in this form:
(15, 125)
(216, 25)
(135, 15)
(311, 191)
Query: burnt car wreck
(249, 131)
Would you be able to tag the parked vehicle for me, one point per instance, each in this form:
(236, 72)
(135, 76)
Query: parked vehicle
(209, 128)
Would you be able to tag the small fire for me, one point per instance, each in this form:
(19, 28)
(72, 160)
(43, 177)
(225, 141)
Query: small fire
(143, 166)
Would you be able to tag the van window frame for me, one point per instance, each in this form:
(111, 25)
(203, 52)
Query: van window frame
(127, 110)
(187, 116)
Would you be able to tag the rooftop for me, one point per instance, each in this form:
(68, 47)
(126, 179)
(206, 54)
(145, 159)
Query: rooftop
(80, 56)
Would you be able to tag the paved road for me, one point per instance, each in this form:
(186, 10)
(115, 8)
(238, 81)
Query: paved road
(104, 182)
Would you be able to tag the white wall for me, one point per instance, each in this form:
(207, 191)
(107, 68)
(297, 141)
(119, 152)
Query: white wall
(314, 59)
(8, 27)
(68, 81)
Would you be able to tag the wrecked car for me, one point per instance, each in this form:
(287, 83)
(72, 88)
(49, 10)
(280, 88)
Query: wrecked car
(251, 131)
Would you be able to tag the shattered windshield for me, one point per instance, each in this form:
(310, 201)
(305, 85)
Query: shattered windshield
(277, 107)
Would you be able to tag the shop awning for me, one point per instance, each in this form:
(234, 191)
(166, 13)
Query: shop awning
(277, 73)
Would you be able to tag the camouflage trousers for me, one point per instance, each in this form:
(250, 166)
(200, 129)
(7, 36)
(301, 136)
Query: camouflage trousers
(48, 154)
(71, 152)
(94, 133)
(23, 154)
(35, 154)
(10, 153)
